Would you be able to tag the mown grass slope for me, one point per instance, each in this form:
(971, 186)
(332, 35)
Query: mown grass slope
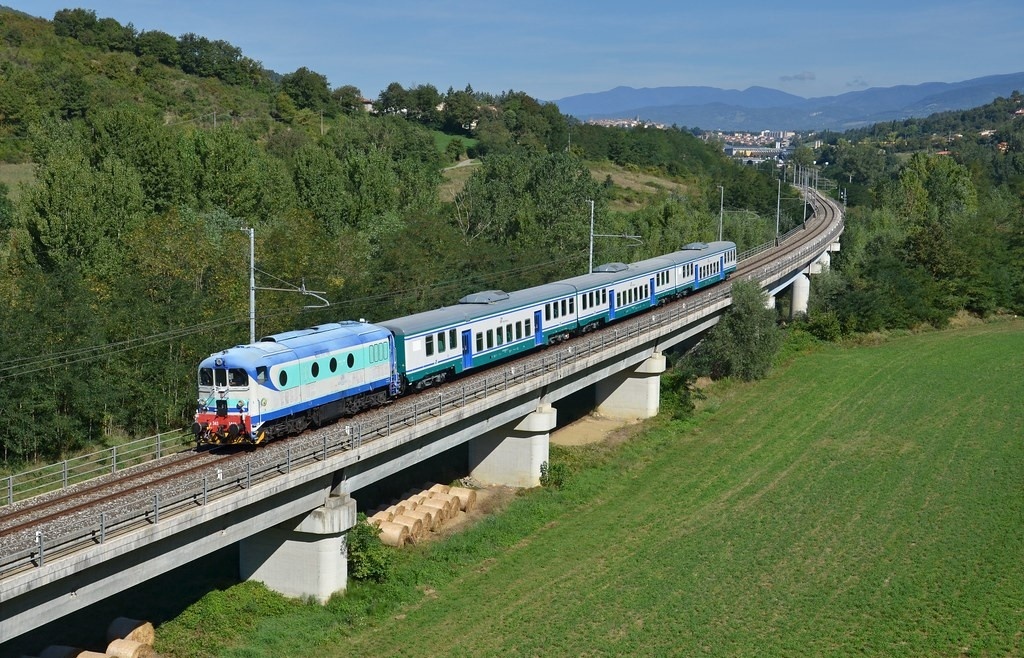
(863, 500)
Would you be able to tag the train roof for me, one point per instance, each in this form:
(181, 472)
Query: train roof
(495, 302)
(477, 305)
(300, 342)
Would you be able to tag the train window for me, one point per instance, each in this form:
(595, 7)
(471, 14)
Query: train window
(430, 345)
(547, 311)
(618, 299)
(333, 365)
(453, 339)
(282, 379)
(351, 360)
(479, 341)
(519, 330)
(508, 333)
(220, 377)
(563, 308)
(490, 338)
(526, 327)
(500, 337)
(604, 296)
(554, 309)
(583, 302)
(206, 376)
(262, 375)
(315, 369)
(440, 342)
(572, 305)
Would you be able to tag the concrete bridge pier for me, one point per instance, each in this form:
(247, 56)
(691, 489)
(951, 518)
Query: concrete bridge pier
(305, 557)
(801, 295)
(632, 394)
(512, 455)
(769, 303)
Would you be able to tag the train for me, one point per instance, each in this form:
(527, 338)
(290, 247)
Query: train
(285, 383)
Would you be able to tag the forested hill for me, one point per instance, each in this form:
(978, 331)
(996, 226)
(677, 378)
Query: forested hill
(142, 155)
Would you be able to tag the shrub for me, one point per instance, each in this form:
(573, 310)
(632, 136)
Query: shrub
(368, 558)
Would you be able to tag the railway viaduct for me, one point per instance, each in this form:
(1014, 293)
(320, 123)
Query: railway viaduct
(288, 506)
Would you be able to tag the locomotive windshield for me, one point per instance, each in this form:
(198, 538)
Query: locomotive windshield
(236, 377)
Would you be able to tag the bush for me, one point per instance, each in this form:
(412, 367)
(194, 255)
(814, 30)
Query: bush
(553, 475)
(368, 558)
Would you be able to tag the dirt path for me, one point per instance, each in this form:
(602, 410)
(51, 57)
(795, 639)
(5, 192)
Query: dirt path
(589, 429)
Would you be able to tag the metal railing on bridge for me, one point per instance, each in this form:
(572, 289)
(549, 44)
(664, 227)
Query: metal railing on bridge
(341, 438)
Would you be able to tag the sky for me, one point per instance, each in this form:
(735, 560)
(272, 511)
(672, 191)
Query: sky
(553, 49)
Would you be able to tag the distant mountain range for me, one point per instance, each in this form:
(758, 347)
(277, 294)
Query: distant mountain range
(760, 108)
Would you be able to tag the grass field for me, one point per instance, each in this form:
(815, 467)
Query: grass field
(13, 175)
(864, 500)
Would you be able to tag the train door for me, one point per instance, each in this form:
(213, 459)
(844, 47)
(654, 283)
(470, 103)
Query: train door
(611, 303)
(467, 350)
(654, 294)
(538, 329)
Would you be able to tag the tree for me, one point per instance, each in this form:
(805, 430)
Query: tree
(309, 90)
(744, 342)
(348, 98)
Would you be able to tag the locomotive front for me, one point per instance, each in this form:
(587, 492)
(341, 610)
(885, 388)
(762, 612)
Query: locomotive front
(222, 410)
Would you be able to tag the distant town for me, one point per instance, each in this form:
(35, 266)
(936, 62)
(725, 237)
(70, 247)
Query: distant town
(750, 148)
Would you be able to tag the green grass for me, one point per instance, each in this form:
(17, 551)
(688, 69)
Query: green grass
(14, 175)
(863, 500)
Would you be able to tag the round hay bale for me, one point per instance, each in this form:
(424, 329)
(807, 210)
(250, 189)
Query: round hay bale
(396, 509)
(467, 497)
(440, 488)
(410, 504)
(440, 508)
(415, 525)
(60, 651)
(426, 516)
(124, 628)
(130, 649)
(92, 654)
(454, 503)
(393, 534)
(381, 517)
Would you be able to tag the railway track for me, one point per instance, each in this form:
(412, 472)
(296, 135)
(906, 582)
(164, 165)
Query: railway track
(74, 511)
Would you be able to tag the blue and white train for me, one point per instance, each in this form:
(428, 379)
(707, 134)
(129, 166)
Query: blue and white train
(288, 382)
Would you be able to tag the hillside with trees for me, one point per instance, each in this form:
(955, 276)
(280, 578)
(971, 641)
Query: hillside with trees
(936, 223)
(143, 155)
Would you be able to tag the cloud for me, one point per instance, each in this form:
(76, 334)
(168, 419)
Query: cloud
(803, 76)
(857, 83)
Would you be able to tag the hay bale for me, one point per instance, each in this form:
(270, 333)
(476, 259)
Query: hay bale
(124, 628)
(410, 504)
(415, 525)
(440, 508)
(393, 534)
(130, 649)
(427, 517)
(467, 497)
(380, 517)
(454, 503)
(439, 488)
(92, 654)
(396, 509)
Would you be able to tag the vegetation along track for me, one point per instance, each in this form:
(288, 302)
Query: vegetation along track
(60, 513)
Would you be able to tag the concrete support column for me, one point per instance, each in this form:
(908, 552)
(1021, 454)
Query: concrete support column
(801, 294)
(769, 303)
(632, 394)
(306, 557)
(511, 455)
